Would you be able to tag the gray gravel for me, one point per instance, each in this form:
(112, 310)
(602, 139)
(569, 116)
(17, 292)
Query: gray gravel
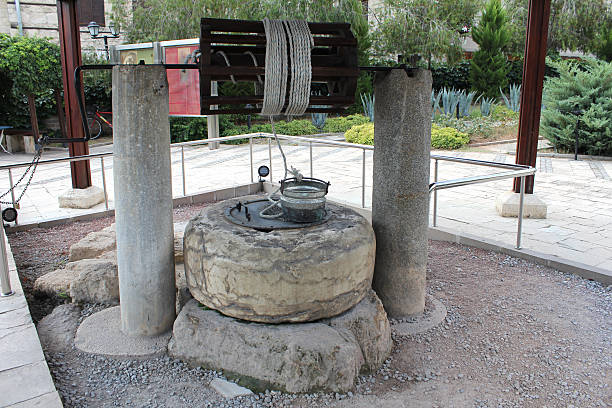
(516, 335)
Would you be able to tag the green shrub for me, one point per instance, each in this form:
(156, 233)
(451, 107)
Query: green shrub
(500, 112)
(361, 134)
(451, 76)
(295, 127)
(186, 129)
(447, 138)
(344, 123)
(580, 99)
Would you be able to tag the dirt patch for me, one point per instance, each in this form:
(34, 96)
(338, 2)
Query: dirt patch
(516, 335)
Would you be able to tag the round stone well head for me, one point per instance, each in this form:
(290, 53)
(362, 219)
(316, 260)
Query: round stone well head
(283, 275)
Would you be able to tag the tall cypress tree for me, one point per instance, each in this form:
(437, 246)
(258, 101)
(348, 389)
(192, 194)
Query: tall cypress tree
(489, 64)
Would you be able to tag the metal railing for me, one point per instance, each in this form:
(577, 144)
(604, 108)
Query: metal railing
(514, 170)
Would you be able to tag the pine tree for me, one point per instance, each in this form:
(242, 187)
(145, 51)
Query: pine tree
(489, 64)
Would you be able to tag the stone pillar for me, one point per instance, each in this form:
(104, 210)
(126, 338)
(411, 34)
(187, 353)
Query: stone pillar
(400, 196)
(143, 199)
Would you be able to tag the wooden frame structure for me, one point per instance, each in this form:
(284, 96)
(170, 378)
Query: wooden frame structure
(243, 43)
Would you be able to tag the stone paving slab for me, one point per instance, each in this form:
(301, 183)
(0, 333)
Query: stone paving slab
(25, 380)
(579, 200)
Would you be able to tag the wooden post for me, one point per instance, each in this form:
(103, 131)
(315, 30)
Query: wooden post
(70, 48)
(60, 114)
(33, 117)
(533, 82)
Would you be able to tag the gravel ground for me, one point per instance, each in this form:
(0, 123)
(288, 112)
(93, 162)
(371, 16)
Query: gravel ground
(516, 335)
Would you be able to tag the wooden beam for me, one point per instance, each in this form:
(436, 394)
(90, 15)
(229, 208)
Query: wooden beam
(70, 48)
(533, 83)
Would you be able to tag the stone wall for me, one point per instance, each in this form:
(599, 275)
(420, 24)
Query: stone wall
(39, 19)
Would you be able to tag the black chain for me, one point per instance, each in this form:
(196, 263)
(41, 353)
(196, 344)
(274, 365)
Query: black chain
(32, 167)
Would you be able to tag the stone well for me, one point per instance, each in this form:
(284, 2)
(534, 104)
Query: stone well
(285, 275)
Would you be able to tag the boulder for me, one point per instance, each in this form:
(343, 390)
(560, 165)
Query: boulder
(286, 275)
(94, 244)
(56, 282)
(179, 232)
(97, 281)
(291, 357)
(56, 330)
(368, 322)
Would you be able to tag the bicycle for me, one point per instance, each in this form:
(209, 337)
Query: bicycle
(95, 120)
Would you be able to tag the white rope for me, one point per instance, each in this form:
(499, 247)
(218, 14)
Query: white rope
(226, 62)
(300, 43)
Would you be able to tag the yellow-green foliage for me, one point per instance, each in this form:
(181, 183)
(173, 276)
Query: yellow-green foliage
(344, 123)
(447, 138)
(361, 134)
(502, 113)
(441, 137)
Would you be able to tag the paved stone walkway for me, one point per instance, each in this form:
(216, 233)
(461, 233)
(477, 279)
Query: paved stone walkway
(578, 193)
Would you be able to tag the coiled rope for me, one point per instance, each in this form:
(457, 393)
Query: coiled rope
(286, 41)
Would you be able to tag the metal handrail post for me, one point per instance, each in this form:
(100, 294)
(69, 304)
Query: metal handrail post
(363, 175)
(435, 195)
(310, 159)
(5, 281)
(251, 156)
(183, 170)
(104, 182)
(520, 214)
(270, 157)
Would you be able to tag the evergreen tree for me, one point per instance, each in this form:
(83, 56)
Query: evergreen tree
(489, 66)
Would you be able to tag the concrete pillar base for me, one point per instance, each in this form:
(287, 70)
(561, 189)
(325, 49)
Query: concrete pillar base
(507, 205)
(81, 198)
(101, 333)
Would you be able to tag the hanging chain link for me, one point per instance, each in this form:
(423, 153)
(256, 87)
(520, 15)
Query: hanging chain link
(32, 167)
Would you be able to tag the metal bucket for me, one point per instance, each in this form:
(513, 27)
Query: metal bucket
(303, 200)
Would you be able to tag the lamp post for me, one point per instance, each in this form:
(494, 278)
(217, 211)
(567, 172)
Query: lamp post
(94, 31)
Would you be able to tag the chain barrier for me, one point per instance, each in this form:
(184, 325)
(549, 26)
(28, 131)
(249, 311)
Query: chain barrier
(32, 166)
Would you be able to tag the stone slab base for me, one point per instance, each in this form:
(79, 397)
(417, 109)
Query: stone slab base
(507, 205)
(81, 198)
(101, 333)
(324, 356)
(428, 320)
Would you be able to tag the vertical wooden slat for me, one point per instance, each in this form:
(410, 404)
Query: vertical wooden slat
(205, 60)
(70, 48)
(533, 83)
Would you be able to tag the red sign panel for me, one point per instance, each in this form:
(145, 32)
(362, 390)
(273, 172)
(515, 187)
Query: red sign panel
(184, 85)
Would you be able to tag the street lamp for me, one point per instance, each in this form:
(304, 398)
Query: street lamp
(94, 31)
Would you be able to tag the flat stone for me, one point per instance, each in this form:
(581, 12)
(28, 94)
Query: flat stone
(56, 331)
(23, 383)
(94, 244)
(19, 346)
(368, 322)
(507, 205)
(291, 275)
(81, 197)
(55, 282)
(424, 322)
(291, 357)
(49, 400)
(229, 389)
(97, 281)
(101, 333)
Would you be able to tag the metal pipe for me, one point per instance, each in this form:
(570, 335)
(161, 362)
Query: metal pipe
(363, 175)
(19, 19)
(270, 157)
(441, 185)
(251, 156)
(12, 188)
(310, 143)
(183, 171)
(104, 182)
(5, 281)
(435, 197)
(519, 233)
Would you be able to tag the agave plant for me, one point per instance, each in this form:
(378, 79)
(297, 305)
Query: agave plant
(367, 101)
(486, 104)
(514, 101)
(318, 120)
(450, 100)
(465, 102)
(435, 103)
